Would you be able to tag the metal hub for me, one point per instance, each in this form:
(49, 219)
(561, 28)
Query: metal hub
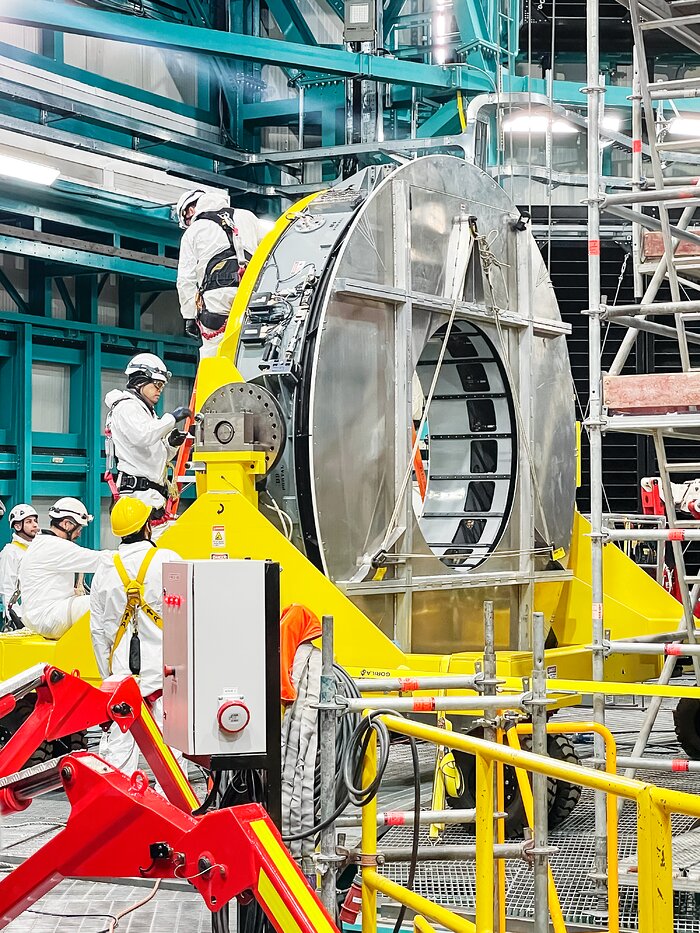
(242, 416)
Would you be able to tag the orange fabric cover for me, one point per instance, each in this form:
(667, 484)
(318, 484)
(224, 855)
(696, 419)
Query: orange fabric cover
(297, 625)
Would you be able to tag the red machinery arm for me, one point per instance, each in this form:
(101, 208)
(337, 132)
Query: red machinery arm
(66, 704)
(119, 827)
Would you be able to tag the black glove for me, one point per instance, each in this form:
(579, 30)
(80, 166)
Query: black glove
(177, 438)
(181, 413)
(192, 328)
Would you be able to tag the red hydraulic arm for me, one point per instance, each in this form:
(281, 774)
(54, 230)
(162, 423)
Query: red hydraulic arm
(119, 827)
(66, 704)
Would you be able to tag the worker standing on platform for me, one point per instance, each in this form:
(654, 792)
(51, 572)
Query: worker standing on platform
(126, 602)
(47, 573)
(24, 522)
(216, 248)
(142, 443)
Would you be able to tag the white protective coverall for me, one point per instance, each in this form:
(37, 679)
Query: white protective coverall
(107, 604)
(47, 582)
(10, 559)
(140, 441)
(201, 242)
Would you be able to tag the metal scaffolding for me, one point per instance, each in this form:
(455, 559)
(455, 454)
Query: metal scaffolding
(606, 413)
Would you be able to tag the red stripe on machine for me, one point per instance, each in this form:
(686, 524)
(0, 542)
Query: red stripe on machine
(676, 534)
(636, 145)
(673, 650)
(680, 764)
(424, 706)
(594, 247)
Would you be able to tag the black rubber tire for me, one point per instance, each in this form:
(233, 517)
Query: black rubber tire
(562, 797)
(566, 795)
(686, 718)
(10, 724)
(77, 742)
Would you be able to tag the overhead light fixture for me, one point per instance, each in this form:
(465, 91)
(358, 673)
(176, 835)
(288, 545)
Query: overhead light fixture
(538, 123)
(685, 126)
(611, 122)
(27, 171)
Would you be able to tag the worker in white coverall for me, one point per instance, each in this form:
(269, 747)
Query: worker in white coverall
(127, 631)
(47, 573)
(142, 443)
(216, 247)
(24, 522)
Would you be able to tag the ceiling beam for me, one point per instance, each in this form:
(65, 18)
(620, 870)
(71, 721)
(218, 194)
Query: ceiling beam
(52, 14)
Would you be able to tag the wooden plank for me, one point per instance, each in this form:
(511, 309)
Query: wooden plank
(653, 245)
(657, 393)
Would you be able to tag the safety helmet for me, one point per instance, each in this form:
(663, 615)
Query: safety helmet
(68, 507)
(22, 511)
(129, 516)
(148, 365)
(187, 200)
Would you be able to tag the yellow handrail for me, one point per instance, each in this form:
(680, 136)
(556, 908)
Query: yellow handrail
(565, 728)
(654, 808)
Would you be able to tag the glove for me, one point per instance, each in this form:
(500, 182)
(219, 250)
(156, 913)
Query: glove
(177, 438)
(181, 414)
(192, 328)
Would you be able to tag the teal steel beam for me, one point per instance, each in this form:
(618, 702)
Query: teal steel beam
(40, 288)
(86, 298)
(71, 107)
(90, 256)
(51, 14)
(291, 21)
(62, 289)
(20, 303)
(92, 426)
(23, 427)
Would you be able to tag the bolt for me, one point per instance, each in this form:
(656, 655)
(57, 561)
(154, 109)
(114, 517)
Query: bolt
(203, 864)
(56, 676)
(67, 774)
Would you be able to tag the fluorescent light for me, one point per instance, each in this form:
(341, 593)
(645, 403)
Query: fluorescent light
(684, 126)
(538, 123)
(611, 122)
(28, 171)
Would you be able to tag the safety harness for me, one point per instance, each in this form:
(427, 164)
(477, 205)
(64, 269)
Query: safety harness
(135, 602)
(125, 482)
(224, 270)
(11, 616)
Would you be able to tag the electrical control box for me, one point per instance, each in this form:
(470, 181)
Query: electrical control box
(221, 657)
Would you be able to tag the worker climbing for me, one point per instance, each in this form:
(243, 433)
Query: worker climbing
(126, 602)
(50, 603)
(24, 522)
(140, 443)
(215, 250)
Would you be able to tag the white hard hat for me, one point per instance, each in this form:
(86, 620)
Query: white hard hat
(22, 511)
(68, 507)
(150, 365)
(187, 200)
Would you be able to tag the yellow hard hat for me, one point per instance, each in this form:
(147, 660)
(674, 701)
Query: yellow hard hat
(129, 516)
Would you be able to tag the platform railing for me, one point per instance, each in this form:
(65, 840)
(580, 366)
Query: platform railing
(655, 805)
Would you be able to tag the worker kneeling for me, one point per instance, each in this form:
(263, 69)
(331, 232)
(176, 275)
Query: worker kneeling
(50, 601)
(126, 602)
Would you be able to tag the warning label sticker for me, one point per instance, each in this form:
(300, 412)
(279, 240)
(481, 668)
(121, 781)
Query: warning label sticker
(218, 536)
(218, 557)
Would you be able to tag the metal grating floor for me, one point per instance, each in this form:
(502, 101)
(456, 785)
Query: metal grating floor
(452, 883)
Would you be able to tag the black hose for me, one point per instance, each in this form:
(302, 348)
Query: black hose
(413, 865)
(351, 770)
